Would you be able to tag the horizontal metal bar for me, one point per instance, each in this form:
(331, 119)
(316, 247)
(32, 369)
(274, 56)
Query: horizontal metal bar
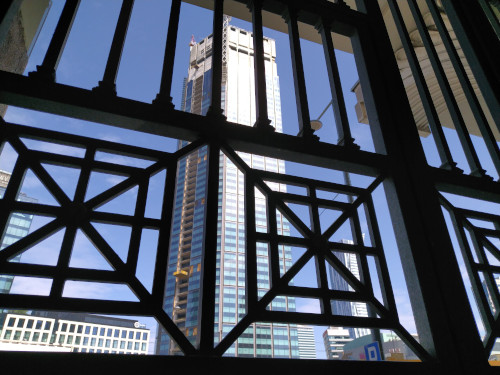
(319, 319)
(133, 115)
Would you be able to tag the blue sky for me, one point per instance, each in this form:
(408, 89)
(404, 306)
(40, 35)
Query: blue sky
(82, 65)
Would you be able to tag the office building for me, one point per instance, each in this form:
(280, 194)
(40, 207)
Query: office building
(347, 308)
(18, 226)
(334, 339)
(186, 247)
(307, 345)
(76, 332)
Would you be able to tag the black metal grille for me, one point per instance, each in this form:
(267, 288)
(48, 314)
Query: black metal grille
(448, 337)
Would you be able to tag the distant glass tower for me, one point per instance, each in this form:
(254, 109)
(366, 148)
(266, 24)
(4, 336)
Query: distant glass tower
(17, 227)
(307, 344)
(347, 308)
(182, 295)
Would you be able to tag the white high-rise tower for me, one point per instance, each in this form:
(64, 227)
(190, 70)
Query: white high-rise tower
(182, 300)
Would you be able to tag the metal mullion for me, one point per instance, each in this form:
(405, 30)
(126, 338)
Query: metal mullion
(349, 248)
(303, 182)
(81, 142)
(446, 91)
(299, 80)
(47, 70)
(163, 98)
(296, 267)
(263, 121)
(308, 292)
(30, 239)
(35, 208)
(45, 178)
(80, 274)
(210, 247)
(466, 86)
(412, 343)
(488, 276)
(320, 267)
(365, 269)
(322, 319)
(122, 187)
(125, 220)
(486, 315)
(489, 232)
(137, 226)
(480, 45)
(292, 218)
(338, 102)
(301, 199)
(74, 304)
(218, 21)
(354, 205)
(491, 17)
(346, 273)
(108, 83)
(274, 255)
(423, 90)
(251, 295)
(283, 240)
(163, 249)
(492, 249)
(103, 247)
(173, 331)
(381, 262)
(60, 271)
(486, 216)
(62, 266)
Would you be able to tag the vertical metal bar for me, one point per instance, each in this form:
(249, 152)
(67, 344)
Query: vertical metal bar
(423, 90)
(135, 236)
(262, 122)
(251, 294)
(47, 71)
(71, 228)
(321, 275)
(447, 92)
(435, 286)
(108, 83)
(495, 23)
(477, 288)
(481, 47)
(272, 228)
(215, 109)
(478, 113)
(338, 102)
(8, 11)
(163, 251)
(210, 251)
(488, 276)
(382, 268)
(163, 98)
(364, 275)
(299, 80)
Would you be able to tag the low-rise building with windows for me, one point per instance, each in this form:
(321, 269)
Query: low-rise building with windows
(84, 333)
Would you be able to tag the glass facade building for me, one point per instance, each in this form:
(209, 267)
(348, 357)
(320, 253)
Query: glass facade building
(186, 248)
(82, 332)
(347, 308)
(18, 227)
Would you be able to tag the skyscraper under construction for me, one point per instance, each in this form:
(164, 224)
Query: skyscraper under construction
(182, 293)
